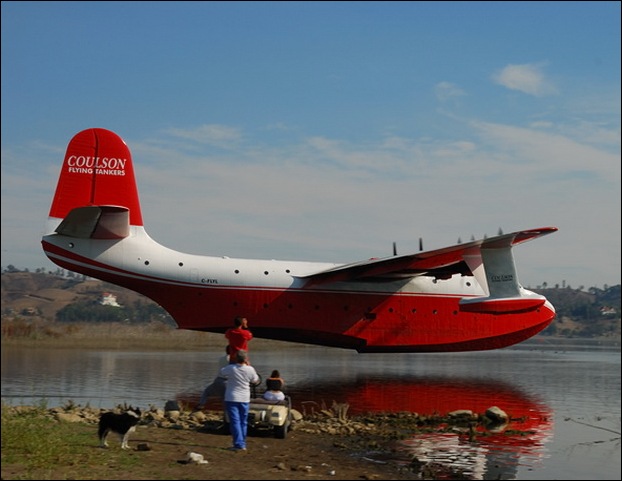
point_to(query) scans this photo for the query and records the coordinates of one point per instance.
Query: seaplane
(465, 297)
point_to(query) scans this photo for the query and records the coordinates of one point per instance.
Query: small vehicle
(268, 415)
(274, 415)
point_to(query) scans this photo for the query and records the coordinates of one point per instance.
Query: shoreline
(325, 444)
(161, 336)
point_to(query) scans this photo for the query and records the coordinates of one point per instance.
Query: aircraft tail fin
(493, 267)
(96, 195)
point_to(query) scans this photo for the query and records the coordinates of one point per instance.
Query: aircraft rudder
(97, 171)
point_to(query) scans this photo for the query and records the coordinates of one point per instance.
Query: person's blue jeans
(238, 422)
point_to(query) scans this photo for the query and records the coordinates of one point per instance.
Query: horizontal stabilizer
(96, 222)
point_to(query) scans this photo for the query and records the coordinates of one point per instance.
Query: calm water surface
(564, 395)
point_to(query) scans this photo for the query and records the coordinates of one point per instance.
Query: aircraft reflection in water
(465, 297)
(489, 454)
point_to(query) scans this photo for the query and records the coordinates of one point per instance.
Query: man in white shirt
(240, 376)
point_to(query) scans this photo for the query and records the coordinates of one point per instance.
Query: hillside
(39, 296)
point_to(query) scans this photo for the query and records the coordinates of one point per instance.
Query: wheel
(280, 432)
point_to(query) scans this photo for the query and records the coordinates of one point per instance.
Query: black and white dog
(122, 424)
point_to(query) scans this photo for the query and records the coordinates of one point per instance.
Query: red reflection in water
(492, 452)
(426, 396)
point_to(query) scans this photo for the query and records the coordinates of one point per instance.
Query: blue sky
(326, 131)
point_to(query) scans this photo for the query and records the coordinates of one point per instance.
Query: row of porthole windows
(368, 313)
(236, 271)
(347, 308)
(181, 264)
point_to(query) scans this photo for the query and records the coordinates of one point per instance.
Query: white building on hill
(109, 299)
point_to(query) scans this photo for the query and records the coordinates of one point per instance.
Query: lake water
(563, 396)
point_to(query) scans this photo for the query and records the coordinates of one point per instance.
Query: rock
(496, 415)
(198, 416)
(172, 406)
(195, 458)
(173, 415)
(461, 413)
(69, 417)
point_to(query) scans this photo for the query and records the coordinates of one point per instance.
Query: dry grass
(115, 335)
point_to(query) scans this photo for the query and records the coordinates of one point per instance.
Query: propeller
(420, 246)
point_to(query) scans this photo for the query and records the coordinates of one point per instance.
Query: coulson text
(82, 161)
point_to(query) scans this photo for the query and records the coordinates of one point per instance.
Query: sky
(327, 131)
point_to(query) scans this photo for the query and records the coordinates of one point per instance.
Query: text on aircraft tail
(97, 171)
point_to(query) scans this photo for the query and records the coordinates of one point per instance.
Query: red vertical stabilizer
(97, 171)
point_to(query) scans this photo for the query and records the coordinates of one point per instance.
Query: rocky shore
(326, 443)
(333, 421)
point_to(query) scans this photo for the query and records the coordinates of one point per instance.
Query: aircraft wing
(439, 263)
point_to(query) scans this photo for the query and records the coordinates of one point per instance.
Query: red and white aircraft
(461, 298)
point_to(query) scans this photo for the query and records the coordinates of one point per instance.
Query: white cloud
(526, 78)
(446, 90)
(548, 153)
